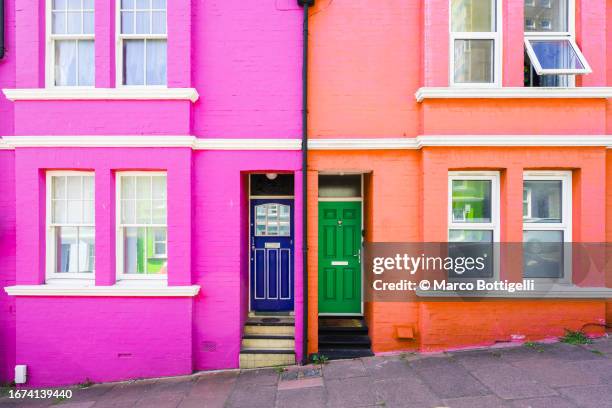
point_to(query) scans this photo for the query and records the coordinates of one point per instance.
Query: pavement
(553, 375)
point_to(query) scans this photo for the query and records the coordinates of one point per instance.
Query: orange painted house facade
(413, 96)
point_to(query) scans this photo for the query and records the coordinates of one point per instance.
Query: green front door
(339, 257)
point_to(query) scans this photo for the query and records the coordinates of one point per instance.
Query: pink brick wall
(69, 340)
(219, 231)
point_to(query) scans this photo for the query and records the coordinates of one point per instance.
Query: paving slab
(252, 396)
(338, 369)
(388, 367)
(593, 396)
(485, 401)
(508, 382)
(350, 392)
(405, 392)
(314, 397)
(543, 402)
(257, 377)
(447, 378)
(556, 373)
(473, 360)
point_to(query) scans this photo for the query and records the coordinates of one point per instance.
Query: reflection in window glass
(546, 15)
(471, 201)
(472, 15)
(272, 220)
(144, 224)
(542, 201)
(542, 254)
(473, 61)
(474, 244)
(72, 223)
(556, 54)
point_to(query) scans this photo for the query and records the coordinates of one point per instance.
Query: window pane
(143, 4)
(59, 4)
(88, 187)
(127, 4)
(133, 62)
(471, 201)
(87, 64)
(159, 211)
(59, 23)
(74, 186)
(472, 15)
(74, 4)
(88, 22)
(59, 187)
(67, 255)
(159, 4)
(88, 212)
(75, 211)
(556, 54)
(134, 250)
(127, 22)
(74, 22)
(546, 15)
(472, 244)
(143, 22)
(128, 211)
(59, 212)
(87, 249)
(156, 62)
(65, 63)
(542, 201)
(340, 186)
(473, 61)
(88, 4)
(543, 254)
(159, 187)
(128, 187)
(143, 211)
(143, 187)
(159, 22)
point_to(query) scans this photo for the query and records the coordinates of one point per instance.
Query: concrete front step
(255, 358)
(255, 329)
(268, 342)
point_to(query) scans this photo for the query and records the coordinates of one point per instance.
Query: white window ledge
(541, 292)
(75, 93)
(118, 290)
(512, 93)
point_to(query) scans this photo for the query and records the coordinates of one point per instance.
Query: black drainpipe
(305, 4)
(2, 29)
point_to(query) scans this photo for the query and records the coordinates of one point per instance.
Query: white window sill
(512, 93)
(542, 291)
(76, 93)
(121, 289)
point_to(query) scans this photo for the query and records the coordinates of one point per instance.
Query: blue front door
(271, 255)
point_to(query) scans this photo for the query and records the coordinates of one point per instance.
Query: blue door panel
(271, 239)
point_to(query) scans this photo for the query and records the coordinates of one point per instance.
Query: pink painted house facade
(135, 137)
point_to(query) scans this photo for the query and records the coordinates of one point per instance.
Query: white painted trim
(84, 93)
(106, 291)
(192, 142)
(495, 36)
(247, 144)
(542, 292)
(513, 93)
(364, 144)
(101, 141)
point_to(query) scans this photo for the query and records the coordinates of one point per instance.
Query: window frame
(569, 35)
(50, 247)
(119, 38)
(50, 40)
(497, 38)
(119, 252)
(565, 176)
(494, 225)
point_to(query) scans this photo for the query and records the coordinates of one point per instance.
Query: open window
(552, 57)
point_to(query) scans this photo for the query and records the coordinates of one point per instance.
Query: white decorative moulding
(103, 291)
(83, 93)
(512, 93)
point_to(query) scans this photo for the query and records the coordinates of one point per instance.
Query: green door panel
(339, 257)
